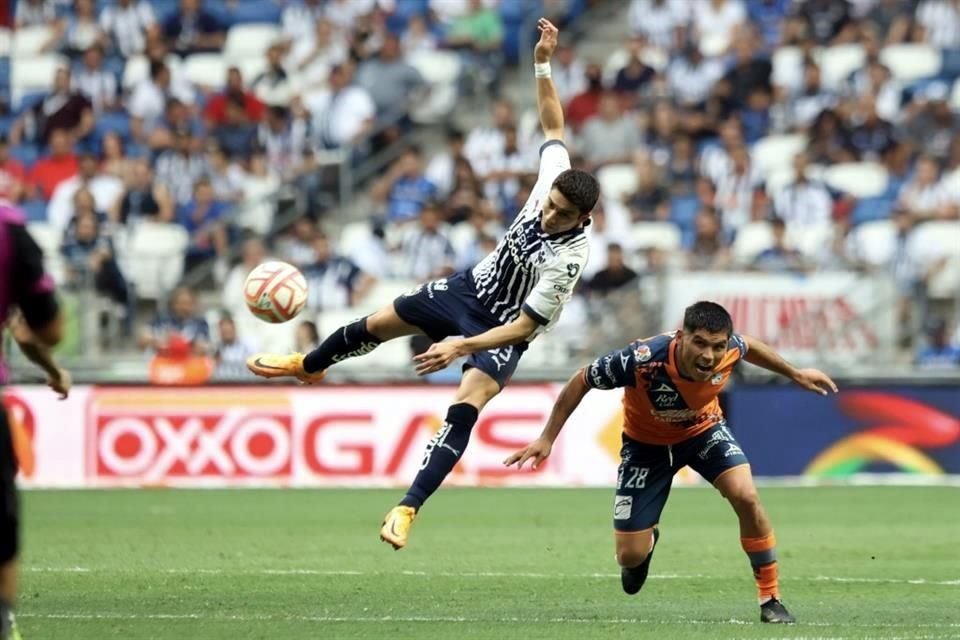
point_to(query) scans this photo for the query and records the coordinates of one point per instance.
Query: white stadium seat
(810, 239)
(441, 70)
(655, 235)
(137, 69)
(778, 179)
(49, 239)
(874, 242)
(713, 45)
(752, 239)
(6, 42)
(941, 240)
(29, 41)
(33, 74)
(786, 62)
(908, 62)
(250, 40)
(206, 70)
(617, 181)
(154, 258)
(352, 236)
(859, 179)
(250, 68)
(776, 152)
(838, 62)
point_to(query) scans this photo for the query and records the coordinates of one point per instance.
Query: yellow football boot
(267, 365)
(396, 526)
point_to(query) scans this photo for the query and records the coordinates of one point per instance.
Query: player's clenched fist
(538, 451)
(547, 43)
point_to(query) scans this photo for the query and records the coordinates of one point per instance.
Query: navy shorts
(9, 504)
(646, 472)
(449, 307)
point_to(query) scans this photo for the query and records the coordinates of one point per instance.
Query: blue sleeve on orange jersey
(616, 369)
(737, 342)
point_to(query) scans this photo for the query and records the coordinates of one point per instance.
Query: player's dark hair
(580, 188)
(708, 316)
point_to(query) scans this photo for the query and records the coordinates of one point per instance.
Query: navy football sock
(346, 342)
(442, 454)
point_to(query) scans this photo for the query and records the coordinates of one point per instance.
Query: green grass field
(856, 563)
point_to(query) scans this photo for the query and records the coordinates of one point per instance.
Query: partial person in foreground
(500, 305)
(672, 419)
(29, 308)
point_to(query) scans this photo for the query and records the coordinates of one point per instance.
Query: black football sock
(349, 341)
(442, 453)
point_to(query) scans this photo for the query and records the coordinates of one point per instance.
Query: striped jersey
(531, 270)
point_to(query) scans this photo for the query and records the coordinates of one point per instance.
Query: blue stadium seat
(25, 154)
(256, 11)
(869, 209)
(114, 121)
(683, 213)
(36, 210)
(27, 101)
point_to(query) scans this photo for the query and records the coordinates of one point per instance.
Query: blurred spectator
(611, 136)
(297, 247)
(938, 353)
(662, 22)
(13, 177)
(284, 138)
(426, 248)
(260, 186)
(938, 23)
(633, 77)
(681, 170)
(204, 219)
(717, 20)
(486, 143)
(871, 136)
(180, 325)
(934, 123)
(924, 197)
(142, 198)
(827, 21)
(149, 100)
(225, 177)
(734, 196)
(274, 85)
(691, 76)
(105, 189)
(333, 282)
(252, 253)
(35, 13)
(889, 20)
(83, 30)
(813, 98)
(651, 200)
(503, 180)
(306, 338)
(116, 161)
(58, 166)
(715, 159)
(779, 258)
(748, 71)
(344, 114)
(192, 29)
(441, 170)
(179, 168)
(404, 190)
(805, 202)
(875, 84)
(345, 14)
(418, 38)
(569, 72)
(615, 275)
(89, 254)
(373, 255)
(829, 140)
(215, 111)
(755, 115)
(467, 195)
(767, 16)
(393, 84)
(663, 128)
(314, 55)
(61, 108)
(127, 24)
(177, 120)
(586, 104)
(479, 35)
(709, 251)
(237, 136)
(231, 350)
(97, 84)
(298, 17)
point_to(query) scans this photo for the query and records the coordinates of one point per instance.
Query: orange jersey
(660, 406)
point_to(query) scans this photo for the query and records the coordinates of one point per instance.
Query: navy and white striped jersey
(529, 269)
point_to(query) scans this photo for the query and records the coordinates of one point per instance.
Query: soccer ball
(275, 292)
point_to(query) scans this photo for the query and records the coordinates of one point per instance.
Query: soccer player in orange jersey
(672, 419)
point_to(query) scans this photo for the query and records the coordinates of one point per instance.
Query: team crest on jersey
(642, 353)
(717, 379)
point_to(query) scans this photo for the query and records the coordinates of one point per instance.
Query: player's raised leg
(355, 339)
(757, 539)
(443, 452)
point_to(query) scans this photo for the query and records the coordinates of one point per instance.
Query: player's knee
(745, 500)
(631, 556)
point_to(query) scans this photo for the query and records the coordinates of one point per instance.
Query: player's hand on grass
(538, 451)
(60, 381)
(816, 381)
(438, 356)
(547, 43)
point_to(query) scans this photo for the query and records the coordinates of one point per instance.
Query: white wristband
(541, 70)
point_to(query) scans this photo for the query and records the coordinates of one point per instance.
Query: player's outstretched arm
(441, 354)
(764, 356)
(548, 102)
(567, 402)
(38, 352)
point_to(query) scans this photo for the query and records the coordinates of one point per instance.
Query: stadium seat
(136, 70)
(655, 235)
(154, 258)
(778, 179)
(441, 70)
(838, 62)
(33, 75)
(942, 240)
(206, 70)
(29, 41)
(786, 61)
(49, 239)
(752, 238)
(25, 154)
(858, 179)
(870, 209)
(251, 12)
(114, 121)
(617, 181)
(908, 62)
(776, 152)
(714, 44)
(249, 40)
(250, 68)
(810, 239)
(36, 210)
(352, 236)
(6, 42)
(874, 242)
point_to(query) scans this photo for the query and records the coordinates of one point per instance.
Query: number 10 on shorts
(632, 477)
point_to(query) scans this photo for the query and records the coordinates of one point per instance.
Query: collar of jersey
(556, 236)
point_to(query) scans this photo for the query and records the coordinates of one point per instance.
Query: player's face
(701, 352)
(559, 214)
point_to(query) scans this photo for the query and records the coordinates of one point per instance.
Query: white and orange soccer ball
(275, 292)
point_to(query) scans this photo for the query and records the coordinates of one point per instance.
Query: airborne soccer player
(36, 325)
(515, 292)
(672, 419)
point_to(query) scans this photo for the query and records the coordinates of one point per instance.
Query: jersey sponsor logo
(721, 435)
(622, 507)
(732, 450)
(595, 375)
(642, 353)
(435, 286)
(608, 367)
(624, 360)
(691, 416)
(665, 396)
(362, 350)
(717, 379)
